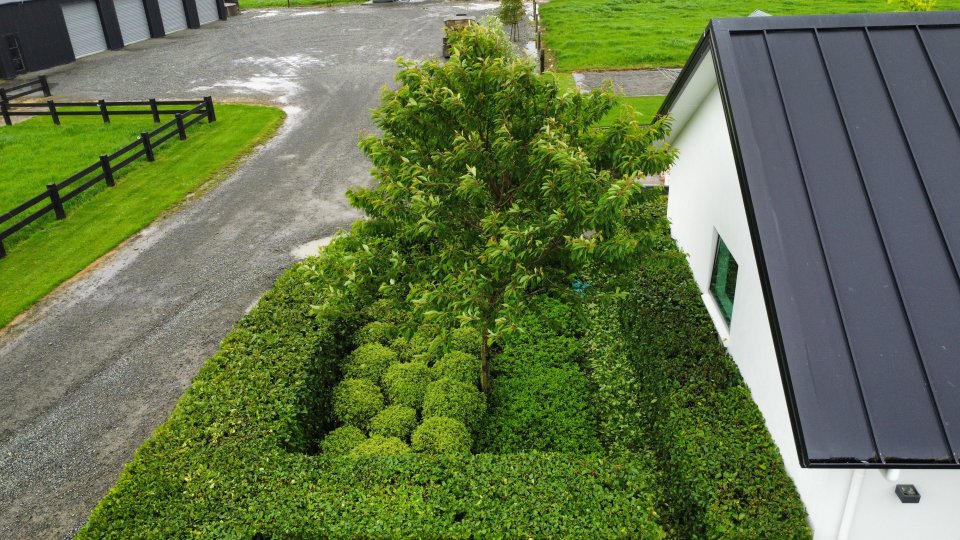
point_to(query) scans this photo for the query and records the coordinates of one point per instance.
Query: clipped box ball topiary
(406, 384)
(394, 421)
(442, 435)
(369, 361)
(465, 339)
(458, 400)
(423, 346)
(376, 332)
(380, 446)
(342, 440)
(356, 401)
(459, 366)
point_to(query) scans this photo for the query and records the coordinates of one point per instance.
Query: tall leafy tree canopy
(495, 184)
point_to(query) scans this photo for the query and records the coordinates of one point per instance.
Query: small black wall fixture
(907, 493)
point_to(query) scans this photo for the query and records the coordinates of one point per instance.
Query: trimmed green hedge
(722, 474)
(234, 459)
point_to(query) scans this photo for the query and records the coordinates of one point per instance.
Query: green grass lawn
(253, 4)
(645, 107)
(609, 34)
(36, 152)
(45, 256)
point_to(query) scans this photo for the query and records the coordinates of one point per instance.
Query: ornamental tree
(494, 185)
(511, 13)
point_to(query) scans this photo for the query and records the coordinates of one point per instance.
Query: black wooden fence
(37, 85)
(55, 196)
(100, 108)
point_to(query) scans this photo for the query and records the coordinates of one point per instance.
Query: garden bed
(613, 421)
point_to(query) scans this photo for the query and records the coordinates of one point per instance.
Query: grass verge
(57, 250)
(611, 34)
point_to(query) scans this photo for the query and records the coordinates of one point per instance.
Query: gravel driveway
(90, 372)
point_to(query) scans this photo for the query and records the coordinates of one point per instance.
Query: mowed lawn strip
(613, 34)
(37, 152)
(58, 250)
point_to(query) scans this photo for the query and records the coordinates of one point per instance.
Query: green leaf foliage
(377, 332)
(545, 409)
(459, 366)
(540, 399)
(464, 339)
(369, 361)
(406, 384)
(394, 421)
(342, 440)
(496, 184)
(356, 401)
(454, 399)
(664, 379)
(442, 435)
(378, 445)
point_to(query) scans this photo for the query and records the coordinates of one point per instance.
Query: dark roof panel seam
(873, 215)
(823, 253)
(936, 218)
(730, 98)
(953, 111)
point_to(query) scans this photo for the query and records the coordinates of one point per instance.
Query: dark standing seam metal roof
(846, 134)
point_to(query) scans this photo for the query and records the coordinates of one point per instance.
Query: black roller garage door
(84, 27)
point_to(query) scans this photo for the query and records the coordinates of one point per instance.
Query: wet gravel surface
(91, 371)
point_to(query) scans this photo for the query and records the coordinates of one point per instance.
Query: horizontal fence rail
(38, 85)
(100, 108)
(54, 197)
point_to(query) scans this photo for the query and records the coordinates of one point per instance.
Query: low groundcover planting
(535, 363)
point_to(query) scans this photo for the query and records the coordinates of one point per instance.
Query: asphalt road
(91, 371)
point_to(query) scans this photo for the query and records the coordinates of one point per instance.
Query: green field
(36, 152)
(610, 34)
(40, 258)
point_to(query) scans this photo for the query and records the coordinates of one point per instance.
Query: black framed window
(723, 282)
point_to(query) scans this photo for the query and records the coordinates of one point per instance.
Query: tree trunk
(485, 364)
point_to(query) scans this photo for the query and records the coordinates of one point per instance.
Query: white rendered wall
(705, 201)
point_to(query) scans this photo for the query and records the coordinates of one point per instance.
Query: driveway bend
(89, 373)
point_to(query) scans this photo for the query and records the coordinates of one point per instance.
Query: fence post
(107, 171)
(147, 145)
(44, 85)
(54, 193)
(211, 115)
(543, 61)
(3, 252)
(3, 94)
(180, 131)
(6, 113)
(53, 111)
(103, 111)
(155, 111)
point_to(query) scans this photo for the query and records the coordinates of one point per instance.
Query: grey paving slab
(89, 373)
(636, 82)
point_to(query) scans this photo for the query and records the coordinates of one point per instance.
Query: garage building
(38, 34)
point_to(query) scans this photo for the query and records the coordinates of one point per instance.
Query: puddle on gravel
(531, 49)
(311, 248)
